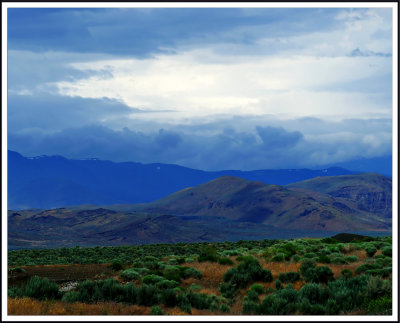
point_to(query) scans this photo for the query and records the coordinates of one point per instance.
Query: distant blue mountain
(53, 181)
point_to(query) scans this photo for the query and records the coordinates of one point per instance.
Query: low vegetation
(266, 277)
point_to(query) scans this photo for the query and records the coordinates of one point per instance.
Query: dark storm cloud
(140, 32)
(54, 112)
(226, 149)
(278, 137)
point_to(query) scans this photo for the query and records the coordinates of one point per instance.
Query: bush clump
(289, 277)
(245, 273)
(387, 251)
(225, 261)
(130, 274)
(38, 288)
(156, 310)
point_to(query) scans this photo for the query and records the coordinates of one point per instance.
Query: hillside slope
(249, 201)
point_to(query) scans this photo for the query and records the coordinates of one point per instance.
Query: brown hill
(247, 201)
(371, 192)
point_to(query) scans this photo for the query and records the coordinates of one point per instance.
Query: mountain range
(225, 208)
(46, 182)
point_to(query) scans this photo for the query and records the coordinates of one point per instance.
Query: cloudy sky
(230, 88)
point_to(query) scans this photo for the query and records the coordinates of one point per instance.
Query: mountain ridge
(54, 181)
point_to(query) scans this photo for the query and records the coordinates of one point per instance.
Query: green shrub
(258, 288)
(156, 310)
(323, 274)
(347, 273)
(249, 307)
(116, 265)
(351, 259)
(295, 258)
(289, 277)
(370, 251)
(252, 296)
(130, 274)
(364, 267)
(324, 259)
(387, 251)
(307, 308)
(278, 284)
(310, 255)
(152, 279)
(71, 297)
(225, 261)
(382, 306)
(195, 287)
(283, 302)
(167, 284)
(338, 260)
(172, 261)
(208, 253)
(279, 257)
(40, 288)
(306, 265)
(224, 308)
(314, 293)
(18, 270)
(187, 272)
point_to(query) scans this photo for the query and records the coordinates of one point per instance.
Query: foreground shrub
(314, 293)
(152, 279)
(387, 251)
(36, 287)
(382, 306)
(156, 310)
(351, 259)
(129, 274)
(289, 277)
(370, 251)
(116, 265)
(208, 253)
(258, 288)
(225, 261)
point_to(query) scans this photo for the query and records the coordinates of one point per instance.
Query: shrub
(252, 296)
(156, 310)
(169, 298)
(18, 270)
(347, 273)
(279, 257)
(195, 287)
(187, 272)
(295, 258)
(224, 308)
(324, 259)
(289, 277)
(338, 260)
(258, 288)
(249, 308)
(281, 303)
(130, 274)
(116, 265)
(71, 297)
(351, 259)
(323, 274)
(278, 284)
(382, 305)
(208, 253)
(314, 293)
(370, 251)
(306, 307)
(167, 284)
(40, 288)
(152, 279)
(387, 251)
(365, 267)
(310, 255)
(172, 261)
(306, 265)
(225, 261)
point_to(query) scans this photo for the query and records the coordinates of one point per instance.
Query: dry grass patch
(27, 306)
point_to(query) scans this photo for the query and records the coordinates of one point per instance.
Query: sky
(206, 88)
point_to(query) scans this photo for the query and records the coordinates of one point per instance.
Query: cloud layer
(204, 88)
